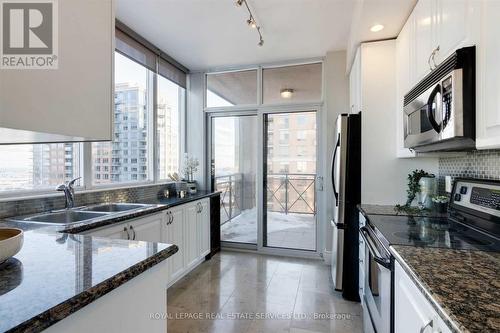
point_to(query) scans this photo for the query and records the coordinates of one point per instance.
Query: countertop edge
(452, 324)
(62, 310)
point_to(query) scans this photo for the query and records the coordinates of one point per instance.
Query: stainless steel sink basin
(114, 207)
(62, 217)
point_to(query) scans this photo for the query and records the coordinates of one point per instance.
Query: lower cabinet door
(174, 234)
(146, 229)
(191, 234)
(204, 228)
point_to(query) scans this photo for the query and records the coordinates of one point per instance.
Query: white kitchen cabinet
(191, 234)
(424, 18)
(355, 84)
(451, 27)
(204, 228)
(116, 231)
(488, 73)
(412, 311)
(173, 233)
(73, 102)
(147, 229)
(187, 226)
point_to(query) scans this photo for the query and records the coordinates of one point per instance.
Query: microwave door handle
(333, 170)
(430, 116)
(363, 231)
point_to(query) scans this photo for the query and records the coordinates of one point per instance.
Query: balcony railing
(286, 193)
(231, 199)
(291, 193)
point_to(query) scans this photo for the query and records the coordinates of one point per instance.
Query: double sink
(80, 214)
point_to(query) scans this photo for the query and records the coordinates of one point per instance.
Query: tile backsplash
(477, 164)
(35, 205)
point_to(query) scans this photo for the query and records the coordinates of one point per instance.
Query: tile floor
(248, 293)
(292, 230)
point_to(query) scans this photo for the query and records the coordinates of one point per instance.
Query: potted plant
(440, 203)
(190, 167)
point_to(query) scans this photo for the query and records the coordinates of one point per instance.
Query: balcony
(291, 210)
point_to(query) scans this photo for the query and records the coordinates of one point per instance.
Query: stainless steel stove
(472, 223)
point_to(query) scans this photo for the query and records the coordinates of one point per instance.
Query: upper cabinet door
(488, 74)
(451, 27)
(424, 35)
(70, 98)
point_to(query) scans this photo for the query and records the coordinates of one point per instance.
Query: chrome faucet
(69, 192)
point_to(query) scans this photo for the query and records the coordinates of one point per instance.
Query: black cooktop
(431, 232)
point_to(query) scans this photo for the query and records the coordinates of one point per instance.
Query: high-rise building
(125, 159)
(55, 163)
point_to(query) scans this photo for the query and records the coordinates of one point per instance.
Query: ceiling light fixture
(286, 93)
(252, 22)
(377, 28)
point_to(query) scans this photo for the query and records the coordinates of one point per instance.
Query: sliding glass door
(289, 219)
(234, 169)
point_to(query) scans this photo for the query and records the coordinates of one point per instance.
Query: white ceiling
(203, 34)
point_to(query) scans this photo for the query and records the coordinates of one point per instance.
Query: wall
(336, 96)
(383, 176)
(195, 125)
(478, 164)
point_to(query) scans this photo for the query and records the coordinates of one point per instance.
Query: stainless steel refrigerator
(346, 182)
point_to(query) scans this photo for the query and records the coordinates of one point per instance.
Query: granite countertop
(462, 285)
(58, 271)
(56, 274)
(370, 209)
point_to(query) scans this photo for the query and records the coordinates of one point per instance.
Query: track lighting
(252, 22)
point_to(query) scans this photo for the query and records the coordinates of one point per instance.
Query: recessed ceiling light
(376, 28)
(286, 93)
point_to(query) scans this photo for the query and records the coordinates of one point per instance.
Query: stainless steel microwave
(439, 112)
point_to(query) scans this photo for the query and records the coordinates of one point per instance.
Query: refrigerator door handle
(333, 171)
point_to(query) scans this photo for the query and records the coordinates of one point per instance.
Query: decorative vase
(428, 189)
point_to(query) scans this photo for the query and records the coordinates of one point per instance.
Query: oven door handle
(363, 231)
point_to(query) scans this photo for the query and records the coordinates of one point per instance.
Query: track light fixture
(252, 22)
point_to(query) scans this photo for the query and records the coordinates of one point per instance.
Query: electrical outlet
(448, 180)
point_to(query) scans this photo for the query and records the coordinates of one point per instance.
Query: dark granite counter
(462, 285)
(56, 274)
(369, 209)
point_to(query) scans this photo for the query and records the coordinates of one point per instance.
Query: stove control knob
(457, 197)
(463, 190)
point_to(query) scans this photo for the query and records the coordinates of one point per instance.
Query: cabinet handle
(132, 228)
(429, 324)
(436, 50)
(171, 218)
(126, 230)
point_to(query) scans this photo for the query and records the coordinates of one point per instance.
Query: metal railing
(291, 193)
(286, 193)
(231, 199)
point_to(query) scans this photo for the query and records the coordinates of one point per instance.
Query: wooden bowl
(11, 241)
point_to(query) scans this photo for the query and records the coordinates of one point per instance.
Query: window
(170, 103)
(38, 167)
(303, 80)
(232, 88)
(134, 115)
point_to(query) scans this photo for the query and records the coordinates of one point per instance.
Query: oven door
(423, 118)
(378, 277)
